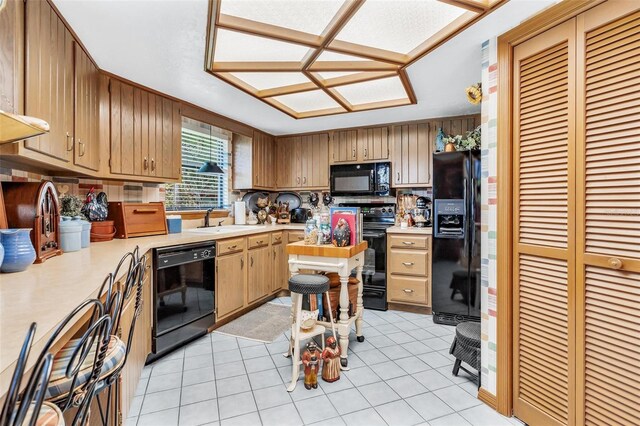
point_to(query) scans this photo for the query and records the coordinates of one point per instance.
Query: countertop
(45, 293)
(413, 230)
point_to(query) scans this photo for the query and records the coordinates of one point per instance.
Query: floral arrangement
(471, 141)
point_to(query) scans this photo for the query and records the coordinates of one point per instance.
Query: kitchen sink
(225, 229)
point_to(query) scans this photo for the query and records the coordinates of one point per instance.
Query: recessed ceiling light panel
(383, 89)
(271, 80)
(232, 46)
(310, 16)
(398, 25)
(315, 100)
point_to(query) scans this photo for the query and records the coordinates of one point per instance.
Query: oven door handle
(372, 292)
(373, 235)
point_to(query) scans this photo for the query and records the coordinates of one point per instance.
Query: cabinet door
(87, 136)
(231, 278)
(306, 161)
(411, 155)
(320, 160)
(260, 269)
(278, 267)
(49, 80)
(373, 144)
(344, 146)
(122, 127)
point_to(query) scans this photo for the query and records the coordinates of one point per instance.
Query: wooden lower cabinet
(231, 281)
(409, 269)
(250, 269)
(260, 280)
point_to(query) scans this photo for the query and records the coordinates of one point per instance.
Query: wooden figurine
(311, 362)
(331, 361)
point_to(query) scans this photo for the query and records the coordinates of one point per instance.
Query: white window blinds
(201, 142)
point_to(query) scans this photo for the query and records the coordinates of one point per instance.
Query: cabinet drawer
(229, 246)
(410, 241)
(276, 237)
(408, 262)
(295, 236)
(258, 241)
(408, 290)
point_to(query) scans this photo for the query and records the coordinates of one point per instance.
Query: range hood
(15, 127)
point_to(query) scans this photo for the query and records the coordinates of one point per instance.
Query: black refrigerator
(456, 275)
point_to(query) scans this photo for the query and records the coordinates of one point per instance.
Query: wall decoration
(440, 140)
(474, 93)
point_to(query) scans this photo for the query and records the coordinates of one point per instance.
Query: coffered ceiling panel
(310, 16)
(270, 80)
(307, 101)
(233, 46)
(384, 89)
(399, 25)
(329, 49)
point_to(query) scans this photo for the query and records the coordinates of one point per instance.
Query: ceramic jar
(18, 249)
(70, 234)
(85, 237)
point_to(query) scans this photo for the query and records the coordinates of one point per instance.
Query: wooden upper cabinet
(87, 116)
(254, 160)
(146, 133)
(303, 162)
(373, 144)
(411, 155)
(49, 80)
(344, 146)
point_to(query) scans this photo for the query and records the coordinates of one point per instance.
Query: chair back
(24, 408)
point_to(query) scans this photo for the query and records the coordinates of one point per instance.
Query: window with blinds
(201, 142)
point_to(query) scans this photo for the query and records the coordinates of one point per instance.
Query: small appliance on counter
(422, 212)
(35, 205)
(300, 215)
(138, 219)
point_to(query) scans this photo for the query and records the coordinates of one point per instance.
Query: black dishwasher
(183, 293)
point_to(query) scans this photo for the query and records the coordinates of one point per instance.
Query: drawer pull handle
(615, 263)
(408, 243)
(145, 211)
(300, 238)
(408, 263)
(259, 242)
(408, 290)
(233, 246)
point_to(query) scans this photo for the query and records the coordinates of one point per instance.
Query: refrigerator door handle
(472, 217)
(465, 226)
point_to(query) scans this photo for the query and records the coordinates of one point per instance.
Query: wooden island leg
(360, 307)
(343, 324)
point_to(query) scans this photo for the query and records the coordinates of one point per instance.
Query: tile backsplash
(116, 190)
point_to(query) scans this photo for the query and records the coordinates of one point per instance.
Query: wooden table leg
(343, 323)
(360, 306)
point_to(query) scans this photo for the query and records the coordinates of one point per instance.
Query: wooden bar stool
(29, 407)
(299, 285)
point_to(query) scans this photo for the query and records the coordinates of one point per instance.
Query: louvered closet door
(608, 200)
(544, 231)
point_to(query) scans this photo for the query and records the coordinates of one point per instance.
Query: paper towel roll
(239, 211)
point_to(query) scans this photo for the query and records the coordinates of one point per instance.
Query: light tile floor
(400, 375)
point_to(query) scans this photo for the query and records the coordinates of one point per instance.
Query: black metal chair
(136, 268)
(79, 365)
(28, 407)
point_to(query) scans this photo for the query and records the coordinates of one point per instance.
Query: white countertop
(413, 230)
(45, 293)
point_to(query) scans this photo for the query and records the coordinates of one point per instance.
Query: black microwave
(360, 179)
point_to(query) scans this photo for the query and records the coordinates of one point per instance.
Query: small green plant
(70, 205)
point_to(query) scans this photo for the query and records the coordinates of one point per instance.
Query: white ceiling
(160, 44)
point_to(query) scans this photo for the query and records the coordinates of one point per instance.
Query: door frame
(561, 12)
